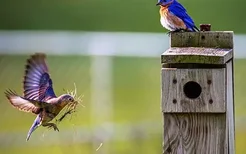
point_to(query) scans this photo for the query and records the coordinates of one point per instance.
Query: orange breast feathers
(164, 11)
(171, 18)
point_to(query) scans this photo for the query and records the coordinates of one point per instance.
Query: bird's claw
(54, 127)
(177, 30)
(49, 125)
(168, 33)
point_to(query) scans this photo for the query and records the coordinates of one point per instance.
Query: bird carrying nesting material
(39, 97)
(72, 106)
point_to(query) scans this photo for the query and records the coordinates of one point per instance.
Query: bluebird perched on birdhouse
(39, 97)
(174, 16)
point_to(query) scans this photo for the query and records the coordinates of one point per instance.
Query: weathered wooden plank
(211, 99)
(230, 114)
(197, 55)
(202, 39)
(198, 94)
(194, 133)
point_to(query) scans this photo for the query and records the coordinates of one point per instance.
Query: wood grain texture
(210, 39)
(230, 114)
(194, 133)
(214, 91)
(197, 55)
(205, 124)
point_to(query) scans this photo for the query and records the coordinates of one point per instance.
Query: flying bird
(39, 97)
(174, 17)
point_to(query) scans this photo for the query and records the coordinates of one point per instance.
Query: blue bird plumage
(174, 16)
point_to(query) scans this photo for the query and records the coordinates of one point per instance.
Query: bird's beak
(159, 3)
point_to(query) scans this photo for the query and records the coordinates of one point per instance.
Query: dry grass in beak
(72, 106)
(77, 99)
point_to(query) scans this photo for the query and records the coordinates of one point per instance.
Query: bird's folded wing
(24, 104)
(178, 10)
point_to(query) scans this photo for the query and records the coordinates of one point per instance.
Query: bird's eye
(70, 99)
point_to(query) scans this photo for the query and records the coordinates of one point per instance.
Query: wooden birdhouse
(198, 93)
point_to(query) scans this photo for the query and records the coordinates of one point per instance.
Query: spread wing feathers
(37, 81)
(178, 10)
(23, 104)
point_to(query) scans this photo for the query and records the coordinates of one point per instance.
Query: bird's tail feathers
(195, 29)
(35, 125)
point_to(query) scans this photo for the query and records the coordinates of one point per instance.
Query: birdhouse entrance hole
(192, 89)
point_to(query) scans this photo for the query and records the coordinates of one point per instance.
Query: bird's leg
(70, 111)
(179, 30)
(51, 125)
(168, 33)
(175, 31)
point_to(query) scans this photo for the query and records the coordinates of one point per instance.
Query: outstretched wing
(37, 81)
(23, 104)
(20, 103)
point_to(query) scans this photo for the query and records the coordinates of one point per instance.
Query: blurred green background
(135, 81)
(115, 15)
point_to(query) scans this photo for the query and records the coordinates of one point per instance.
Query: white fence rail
(94, 43)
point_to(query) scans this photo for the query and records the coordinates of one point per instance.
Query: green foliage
(115, 15)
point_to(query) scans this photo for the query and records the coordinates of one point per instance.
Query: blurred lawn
(136, 87)
(115, 15)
